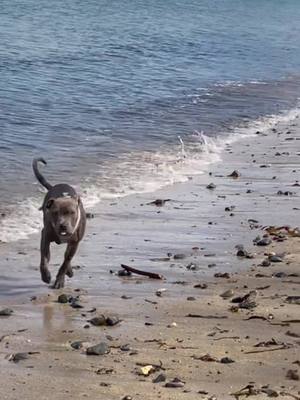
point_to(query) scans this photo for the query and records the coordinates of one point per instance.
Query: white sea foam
(141, 172)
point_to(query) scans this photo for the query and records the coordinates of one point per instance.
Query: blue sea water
(103, 89)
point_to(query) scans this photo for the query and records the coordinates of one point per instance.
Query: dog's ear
(49, 203)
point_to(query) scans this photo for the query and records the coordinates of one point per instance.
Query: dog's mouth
(64, 233)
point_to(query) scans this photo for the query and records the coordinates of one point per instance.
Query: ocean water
(128, 96)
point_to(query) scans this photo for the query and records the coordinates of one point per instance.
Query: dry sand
(156, 328)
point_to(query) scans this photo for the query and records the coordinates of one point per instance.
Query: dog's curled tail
(37, 173)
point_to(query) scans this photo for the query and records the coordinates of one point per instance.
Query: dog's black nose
(62, 227)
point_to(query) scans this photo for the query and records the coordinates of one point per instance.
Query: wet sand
(154, 325)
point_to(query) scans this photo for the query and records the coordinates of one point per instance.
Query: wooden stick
(152, 275)
(284, 347)
(206, 316)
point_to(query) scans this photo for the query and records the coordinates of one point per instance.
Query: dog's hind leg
(45, 257)
(66, 265)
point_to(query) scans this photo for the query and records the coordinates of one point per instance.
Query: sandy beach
(186, 326)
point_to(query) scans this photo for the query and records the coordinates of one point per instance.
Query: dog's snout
(63, 227)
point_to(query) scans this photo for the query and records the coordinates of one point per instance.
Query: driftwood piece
(152, 275)
(207, 316)
(284, 347)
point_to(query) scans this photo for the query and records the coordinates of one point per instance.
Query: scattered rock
(243, 253)
(264, 241)
(158, 202)
(179, 256)
(112, 321)
(235, 174)
(247, 301)
(192, 267)
(77, 344)
(89, 215)
(226, 360)
(6, 312)
(104, 321)
(225, 275)
(275, 258)
(191, 298)
(98, 350)
(200, 286)
(227, 294)
(265, 263)
(160, 378)
(211, 186)
(293, 375)
(175, 383)
(98, 321)
(63, 298)
(206, 358)
(293, 300)
(74, 302)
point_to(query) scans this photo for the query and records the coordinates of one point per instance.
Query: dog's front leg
(45, 257)
(66, 266)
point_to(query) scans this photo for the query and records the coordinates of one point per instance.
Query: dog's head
(64, 215)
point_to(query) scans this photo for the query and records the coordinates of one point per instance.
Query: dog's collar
(77, 222)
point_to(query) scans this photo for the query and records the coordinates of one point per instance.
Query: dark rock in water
(77, 344)
(63, 298)
(192, 267)
(200, 286)
(234, 174)
(226, 360)
(225, 275)
(179, 256)
(159, 202)
(227, 294)
(89, 215)
(160, 378)
(175, 383)
(293, 300)
(284, 193)
(74, 303)
(191, 298)
(211, 186)
(112, 321)
(98, 321)
(123, 272)
(231, 208)
(6, 312)
(98, 350)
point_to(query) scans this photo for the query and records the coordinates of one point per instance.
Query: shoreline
(194, 223)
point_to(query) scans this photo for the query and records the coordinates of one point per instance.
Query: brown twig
(227, 337)
(207, 316)
(152, 275)
(284, 347)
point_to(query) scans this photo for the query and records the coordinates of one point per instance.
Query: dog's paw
(70, 272)
(46, 276)
(59, 283)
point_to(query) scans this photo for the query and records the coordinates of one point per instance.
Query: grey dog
(64, 222)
